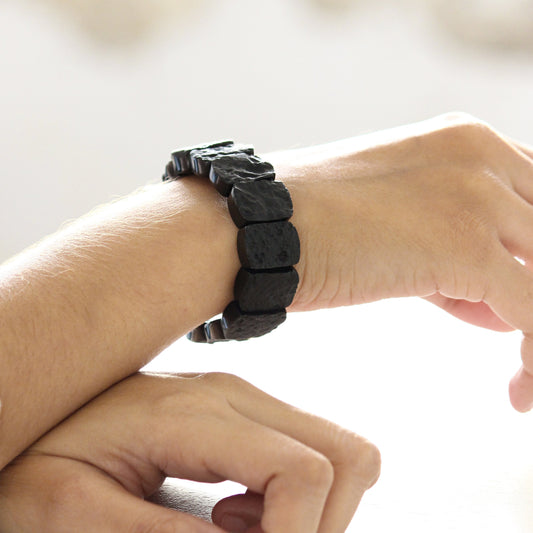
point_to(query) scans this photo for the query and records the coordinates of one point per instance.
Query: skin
(305, 474)
(439, 210)
(94, 303)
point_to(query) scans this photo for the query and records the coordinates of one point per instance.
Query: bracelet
(267, 243)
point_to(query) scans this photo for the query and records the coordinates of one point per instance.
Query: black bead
(181, 161)
(213, 331)
(228, 170)
(268, 245)
(169, 169)
(259, 201)
(197, 334)
(238, 325)
(269, 290)
(201, 158)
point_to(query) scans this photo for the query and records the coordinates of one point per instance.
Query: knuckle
(473, 236)
(222, 380)
(170, 403)
(467, 137)
(315, 470)
(360, 457)
(67, 492)
(368, 462)
(185, 406)
(466, 122)
(188, 400)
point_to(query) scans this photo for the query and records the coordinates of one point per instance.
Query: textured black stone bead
(228, 170)
(202, 158)
(238, 325)
(169, 169)
(181, 163)
(268, 245)
(269, 290)
(259, 201)
(197, 334)
(213, 331)
(181, 160)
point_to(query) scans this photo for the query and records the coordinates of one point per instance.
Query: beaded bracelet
(267, 243)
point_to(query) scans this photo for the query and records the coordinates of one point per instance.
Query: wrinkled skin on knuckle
(466, 125)
(222, 381)
(359, 456)
(314, 470)
(462, 140)
(369, 463)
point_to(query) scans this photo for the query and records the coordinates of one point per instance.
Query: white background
(84, 120)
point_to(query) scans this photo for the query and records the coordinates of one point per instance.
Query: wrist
(204, 260)
(331, 203)
(302, 178)
(267, 243)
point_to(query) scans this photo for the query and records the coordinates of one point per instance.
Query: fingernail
(233, 523)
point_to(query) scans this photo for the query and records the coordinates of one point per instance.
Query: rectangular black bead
(237, 168)
(181, 161)
(197, 334)
(169, 172)
(268, 245)
(201, 159)
(238, 325)
(259, 201)
(213, 331)
(260, 291)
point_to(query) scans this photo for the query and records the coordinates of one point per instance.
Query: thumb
(521, 390)
(240, 513)
(510, 295)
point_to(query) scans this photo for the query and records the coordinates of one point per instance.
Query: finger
(510, 295)
(520, 389)
(58, 495)
(239, 513)
(294, 478)
(475, 313)
(356, 462)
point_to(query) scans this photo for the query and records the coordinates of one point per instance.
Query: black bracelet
(268, 245)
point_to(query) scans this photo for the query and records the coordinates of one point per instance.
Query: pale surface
(81, 123)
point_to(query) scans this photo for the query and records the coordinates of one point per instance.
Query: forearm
(438, 209)
(93, 303)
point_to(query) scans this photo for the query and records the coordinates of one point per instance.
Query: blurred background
(95, 94)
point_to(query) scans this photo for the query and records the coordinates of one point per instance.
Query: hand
(438, 209)
(91, 472)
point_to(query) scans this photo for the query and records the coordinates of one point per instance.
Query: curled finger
(355, 461)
